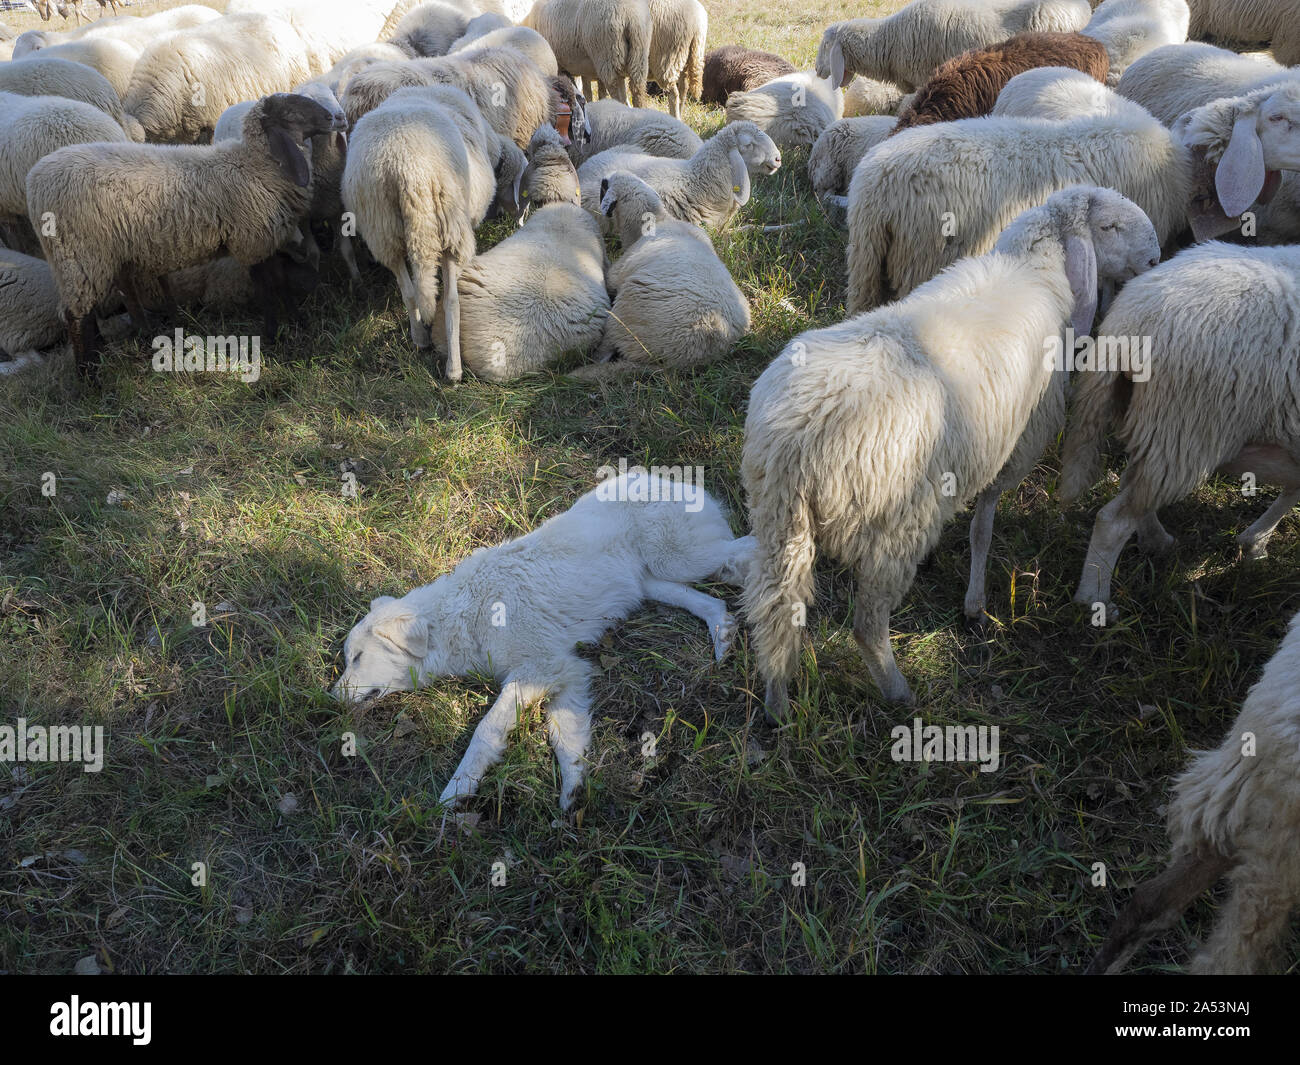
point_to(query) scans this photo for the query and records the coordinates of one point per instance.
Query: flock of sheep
(1009, 172)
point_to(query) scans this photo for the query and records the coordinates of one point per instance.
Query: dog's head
(384, 652)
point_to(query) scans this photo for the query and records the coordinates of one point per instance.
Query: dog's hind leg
(489, 741)
(711, 611)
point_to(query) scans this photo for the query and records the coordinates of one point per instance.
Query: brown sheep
(735, 69)
(967, 86)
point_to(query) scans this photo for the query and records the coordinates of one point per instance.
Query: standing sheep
(706, 189)
(678, 30)
(137, 32)
(1178, 78)
(1235, 812)
(863, 439)
(186, 205)
(1274, 23)
(605, 40)
(968, 86)
(839, 150)
(1129, 29)
(430, 29)
(732, 68)
(641, 129)
(793, 110)
(909, 45)
(114, 60)
(519, 38)
(1220, 393)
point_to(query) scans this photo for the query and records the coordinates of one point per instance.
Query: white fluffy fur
(1275, 23)
(840, 148)
(793, 110)
(44, 74)
(566, 582)
(866, 96)
(605, 40)
(640, 129)
(678, 32)
(855, 430)
(1176, 78)
(1057, 94)
(1129, 29)
(29, 310)
(520, 38)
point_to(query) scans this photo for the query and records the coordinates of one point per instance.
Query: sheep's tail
(434, 226)
(1095, 405)
(695, 68)
(636, 59)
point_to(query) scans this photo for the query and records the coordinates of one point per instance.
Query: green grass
(680, 862)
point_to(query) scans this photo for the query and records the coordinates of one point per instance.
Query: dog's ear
(382, 600)
(409, 632)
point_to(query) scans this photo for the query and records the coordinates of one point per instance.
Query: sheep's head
(384, 652)
(550, 176)
(632, 204)
(287, 121)
(751, 152)
(831, 60)
(325, 96)
(508, 171)
(1240, 146)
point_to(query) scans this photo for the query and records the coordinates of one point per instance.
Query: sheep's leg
(83, 331)
(421, 335)
(871, 629)
(1255, 539)
(981, 537)
(711, 611)
(1252, 921)
(21, 361)
(451, 312)
(489, 741)
(1153, 537)
(266, 281)
(1116, 522)
(568, 724)
(349, 258)
(674, 100)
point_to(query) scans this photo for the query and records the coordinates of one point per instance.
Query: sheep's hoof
(1158, 545)
(1253, 549)
(777, 702)
(978, 622)
(723, 634)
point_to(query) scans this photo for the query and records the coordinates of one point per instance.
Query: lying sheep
(420, 175)
(1275, 23)
(642, 129)
(430, 29)
(706, 189)
(358, 59)
(1235, 813)
(983, 171)
(968, 86)
(44, 76)
(793, 110)
(137, 32)
(535, 296)
(29, 310)
(675, 304)
(226, 284)
(1177, 78)
(732, 68)
(865, 96)
(243, 197)
(31, 127)
(908, 46)
(480, 26)
(839, 150)
(1129, 29)
(1056, 94)
(863, 439)
(519, 38)
(605, 40)
(183, 81)
(114, 60)
(1221, 395)
(550, 176)
(678, 30)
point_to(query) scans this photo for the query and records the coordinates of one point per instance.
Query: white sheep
(1129, 29)
(550, 176)
(839, 149)
(678, 31)
(29, 310)
(604, 40)
(1057, 94)
(642, 129)
(358, 59)
(42, 76)
(186, 205)
(706, 189)
(1235, 812)
(137, 32)
(793, 110)
(864, 439)
(114, 59)
(906, 47)
(1247, 22)
(518, 38)
(328, 29)
(931, 195)
(480, 26)
(431, 28)
(1219, 393)
(866, 96)
(1177, 78)
(419, 177)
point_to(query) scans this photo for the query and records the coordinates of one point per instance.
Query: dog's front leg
(489, 741)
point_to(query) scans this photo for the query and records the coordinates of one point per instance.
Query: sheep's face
(1123, 238)
(383, 653)
(1278, 127)
(760, 153)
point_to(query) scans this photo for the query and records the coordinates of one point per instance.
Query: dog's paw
(723, 634)
(458, 788)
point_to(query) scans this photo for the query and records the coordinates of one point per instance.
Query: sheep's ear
(837, 62)
(381, 600)
(739, 178)
(288, 156)
(1081, 270)
(1240, 177)
(409, 632)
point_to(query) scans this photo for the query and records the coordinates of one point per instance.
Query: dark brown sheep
(967, 86)
(735, 69)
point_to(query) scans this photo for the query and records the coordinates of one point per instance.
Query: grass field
(224, 749)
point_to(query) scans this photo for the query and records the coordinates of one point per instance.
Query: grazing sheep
(183, 81)
(863, 96)
(1235, 812)
(115, 60)
(863, 439)
(550, 176)
(1129, 29)
(984, 171)
(608, 40)
(839, 150)
(642, 129)
(1177, 78)
(732, 68)
(1275, 23)
(338, 75)
(706, 189)
(519, 38)
(1056, 94)
(41, 76)
(1221, 395)
(31, 127)
(430, 29)
(634, 538)
(968, 86)
(186, 205)
(535, 296)
(29, 310)
(675, 304)
(909, 45)
(420, 175)
(793, 110)
(678, 30)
